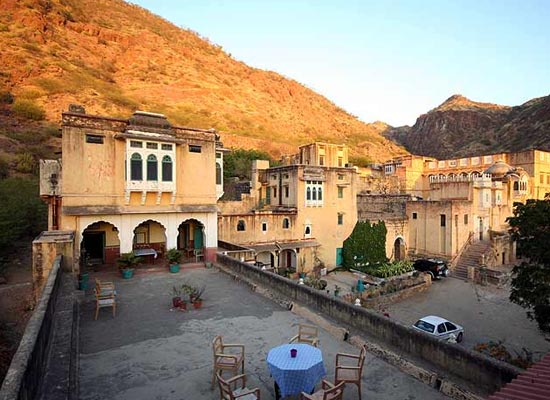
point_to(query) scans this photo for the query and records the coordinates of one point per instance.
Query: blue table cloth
(146, 252)
(299, 374)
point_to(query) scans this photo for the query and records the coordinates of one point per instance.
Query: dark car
(436, 268)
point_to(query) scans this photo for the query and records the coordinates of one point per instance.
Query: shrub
(6, 97)
(26, 163)
(28, 109)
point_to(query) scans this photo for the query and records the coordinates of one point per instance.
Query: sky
(382, 60)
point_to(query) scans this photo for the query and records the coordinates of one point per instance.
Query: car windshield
(425, 326)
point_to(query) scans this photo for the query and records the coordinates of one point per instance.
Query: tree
(530, 228)
(238, 163)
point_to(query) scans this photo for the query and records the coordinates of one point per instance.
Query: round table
(298, 374)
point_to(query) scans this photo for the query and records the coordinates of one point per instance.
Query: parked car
(439, 328)
(436, 268)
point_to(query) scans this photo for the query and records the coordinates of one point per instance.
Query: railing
(456, 257)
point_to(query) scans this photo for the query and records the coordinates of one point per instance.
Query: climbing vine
(366, 245)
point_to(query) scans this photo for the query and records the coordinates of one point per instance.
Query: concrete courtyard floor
(152, 352)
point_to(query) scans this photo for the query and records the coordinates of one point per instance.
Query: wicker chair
(306, 334)
(349, 368)
(229, 390)
(226, 357)
(328, 392)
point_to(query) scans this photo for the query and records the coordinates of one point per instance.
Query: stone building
(136, 183)
(298, 214)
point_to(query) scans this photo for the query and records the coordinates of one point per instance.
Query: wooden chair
(105, 287)
(349, 368)
(229, 390)
(104, 299)
(199, 255)
(226, 357)
(329, 391)
(306, 334)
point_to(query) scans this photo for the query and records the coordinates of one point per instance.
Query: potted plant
(126, 263)
(194, 292)
(177, 300)
(174, 256)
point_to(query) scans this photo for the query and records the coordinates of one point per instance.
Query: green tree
(530, 228)
(238, 163)
(365, 246)
(22, 214)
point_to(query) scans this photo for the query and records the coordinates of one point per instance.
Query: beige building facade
(137, 183)
(297, 215)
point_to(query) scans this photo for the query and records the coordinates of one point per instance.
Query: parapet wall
(485, 373)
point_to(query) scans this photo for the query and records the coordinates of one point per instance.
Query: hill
(114, 57)
(460, 127)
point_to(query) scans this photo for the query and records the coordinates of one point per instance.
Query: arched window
(314, 194)
(320, 195)
(308, 193)
(218, 174)
(286, 223)
(166, 169)
(240, 225)
(152, 168)
(516, 185)
(136, 167)
(308, 230)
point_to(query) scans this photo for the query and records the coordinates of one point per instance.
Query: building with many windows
(134, 184)
(298, 214)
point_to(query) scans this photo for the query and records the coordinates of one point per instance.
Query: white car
(440, 328)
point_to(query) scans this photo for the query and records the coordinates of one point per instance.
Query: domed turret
(499, 170)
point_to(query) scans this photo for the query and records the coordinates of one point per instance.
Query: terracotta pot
(176, 302)
(197, 304)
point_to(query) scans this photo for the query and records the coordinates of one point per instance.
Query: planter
(197, 304)
(127, 273)
(176, 302)
(174, 268)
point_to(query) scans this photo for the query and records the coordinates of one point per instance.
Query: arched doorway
(150, 235)
(399, 249)
(190, 237)
(100, 244)
(287, 260)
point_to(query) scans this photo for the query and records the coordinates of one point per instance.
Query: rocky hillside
(114, 57)
(461, 127)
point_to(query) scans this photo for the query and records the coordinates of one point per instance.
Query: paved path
(484, 311)
(150, 352)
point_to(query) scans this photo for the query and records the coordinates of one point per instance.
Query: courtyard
(151, 351)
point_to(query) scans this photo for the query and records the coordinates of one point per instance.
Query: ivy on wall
(366, 245)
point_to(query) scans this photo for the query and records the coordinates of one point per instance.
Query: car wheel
(431, 274)
(459, 337)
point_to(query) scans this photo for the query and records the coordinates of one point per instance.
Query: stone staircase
(471, 257)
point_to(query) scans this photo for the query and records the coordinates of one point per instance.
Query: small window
(264, 226)
(308, 230)
(321, 160)
(320, 191)
(340, 192)
(340, 177)
(286, 223)
(465, 219)
(541, 178)
(286, 176)
(240, 226)
(167, 147)
(274, 192)
(286, 191)
(94, 139)
(442, 220)
(415, 215)
(273, 177)
(308, 194)
(135, 143)
(166, 169)
(314, 194)
(136, 171)
(152, 146)
(195, 149)
(218, 155)
(340, 219)
(152, 168)
(218, 174)
(516, 185)
(340, 161)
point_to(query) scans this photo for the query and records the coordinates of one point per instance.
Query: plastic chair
(306, 334)
(349, 368)
(329, 391)
(226, 357)
(229, 389)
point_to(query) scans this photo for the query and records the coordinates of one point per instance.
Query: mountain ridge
(114, 58)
